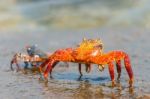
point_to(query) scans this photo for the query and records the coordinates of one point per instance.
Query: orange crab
(97, 44)
(89, 52)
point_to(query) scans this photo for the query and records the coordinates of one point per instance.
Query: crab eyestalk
(101, 67)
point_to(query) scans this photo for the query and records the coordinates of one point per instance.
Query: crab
(90, 52)
(96, 44)
(26, 59)
(34, 57)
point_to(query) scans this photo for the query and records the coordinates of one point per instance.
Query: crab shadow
(92, 79)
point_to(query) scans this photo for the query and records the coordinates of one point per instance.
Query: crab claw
(14, 61)
(101, 67)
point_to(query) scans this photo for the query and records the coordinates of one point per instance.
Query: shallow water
(66, 84)
(122, 25)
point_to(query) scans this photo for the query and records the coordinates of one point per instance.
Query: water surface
(66, 83)
(121, 25)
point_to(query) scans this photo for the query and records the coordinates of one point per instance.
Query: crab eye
(98, 46)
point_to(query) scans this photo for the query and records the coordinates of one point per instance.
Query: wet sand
(66, 85)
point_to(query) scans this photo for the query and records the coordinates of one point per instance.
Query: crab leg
(11, 65)
(129, 69)
(80, 69)
(12, 62)
(111, 72)
(88, 67)
(118, 65)
(26, 65)
(50, 65)
(55, 63)
(43, 65)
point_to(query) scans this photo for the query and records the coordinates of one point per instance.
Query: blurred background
(73, 14)
(54, 24)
